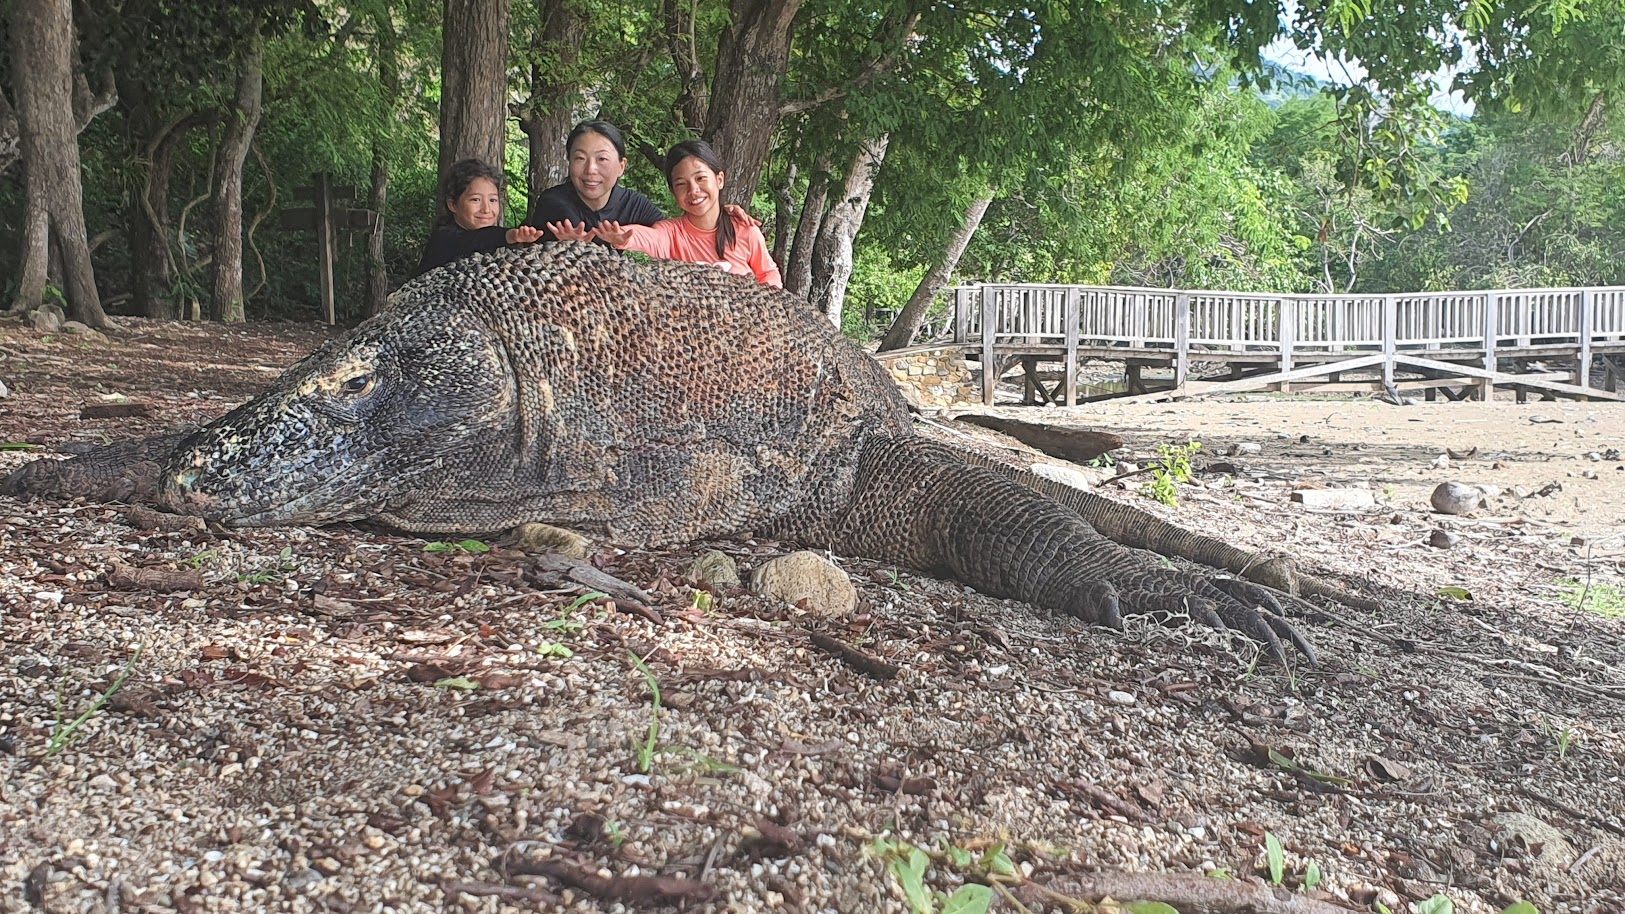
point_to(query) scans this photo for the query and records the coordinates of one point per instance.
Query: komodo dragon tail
(922, 504)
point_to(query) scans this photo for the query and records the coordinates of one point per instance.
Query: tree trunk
(241, 122)
(148, 140)
(547, 116)
(682, 40)
(42, 68)
(752, 58)
(784, 211)
(798, 272)
(832, 255)
(474, 82)
(11, 138)
(377, 201)
(913, 314)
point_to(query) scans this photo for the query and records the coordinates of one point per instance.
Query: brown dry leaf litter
(338, 720)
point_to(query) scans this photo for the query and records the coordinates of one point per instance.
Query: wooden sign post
(327, 221)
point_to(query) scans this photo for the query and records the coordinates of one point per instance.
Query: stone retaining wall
(932, 377)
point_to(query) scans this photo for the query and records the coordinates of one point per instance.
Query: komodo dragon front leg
(920, 504)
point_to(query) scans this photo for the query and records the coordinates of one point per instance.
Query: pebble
(1119, 698)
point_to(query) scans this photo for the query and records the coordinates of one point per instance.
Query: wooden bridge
(1463, 344)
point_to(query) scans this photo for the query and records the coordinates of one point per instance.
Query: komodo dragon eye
(357, 386)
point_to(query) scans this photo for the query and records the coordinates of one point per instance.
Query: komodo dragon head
(355, 429)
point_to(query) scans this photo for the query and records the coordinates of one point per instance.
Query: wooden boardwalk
(1462, 344)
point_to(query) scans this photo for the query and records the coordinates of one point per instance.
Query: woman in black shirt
(469, 217)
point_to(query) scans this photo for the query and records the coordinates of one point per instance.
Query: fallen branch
(632, 889)
(499, 890)
(628, 597)
(1190, 893)
(861, 661)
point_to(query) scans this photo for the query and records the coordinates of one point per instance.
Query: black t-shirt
(561, 202)
(451, 242)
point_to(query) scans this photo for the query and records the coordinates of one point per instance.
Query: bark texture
(832, 255)
(798, 271)
(11, 137)
(377, 201)
(913, 314)
(547, 116)
(752, 58)
(42, 56)
(474, 88)
(241, 123)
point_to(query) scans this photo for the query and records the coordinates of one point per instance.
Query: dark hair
(603, 128)
(454, 183)
(699, 149)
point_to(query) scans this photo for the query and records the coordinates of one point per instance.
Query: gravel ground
(343, 719)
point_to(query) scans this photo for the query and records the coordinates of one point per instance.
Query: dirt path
(347, 719)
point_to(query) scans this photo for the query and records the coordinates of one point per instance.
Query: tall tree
(241, 121)
(474, 88)
(832, 255)
(42, 52)
(550, 111)
(909, 319)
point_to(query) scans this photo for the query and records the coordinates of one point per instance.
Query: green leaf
(910, 874)
(19, 446)
(1438, 904)
(1457, 593)
(1276, 857)
(959, 857)
(1311, 876)
(554, 649)
(1150, 907)
(474, 547)
(971, 899)
(997, 862)
(438, 547)
(1520, 907)
(461, 683)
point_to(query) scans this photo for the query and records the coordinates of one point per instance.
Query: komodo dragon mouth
(664, 402)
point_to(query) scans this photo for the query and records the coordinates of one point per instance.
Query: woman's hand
(740, 214)
(524, 234)
(569, 231)
(613, 233)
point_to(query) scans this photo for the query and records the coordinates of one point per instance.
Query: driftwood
(1079, 445)
(859, 660)
(1190, 893)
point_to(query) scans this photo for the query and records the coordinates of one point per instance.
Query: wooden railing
(1038, 314)
(1339, 332)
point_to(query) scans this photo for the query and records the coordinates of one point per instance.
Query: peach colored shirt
(678, 239)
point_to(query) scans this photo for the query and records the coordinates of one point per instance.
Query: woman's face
(696, 187)
(595, 166)
(479, 206)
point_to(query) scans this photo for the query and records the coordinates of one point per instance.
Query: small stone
(716, 568)
(1578, 541)
(809, 580)
(47, 318)
(1240, 448)
(4, 393)
(1119, 698)
(1456, 498)
(1441, 462)
(1441, 539)
(548, 538)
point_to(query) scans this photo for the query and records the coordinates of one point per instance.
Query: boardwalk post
(1182, 339)
(325, 242)
(1286, 316)
(990, 365)
(1492, 318)
(1073, 298)
(1582, 375)
(1390, 315)
(962, 306)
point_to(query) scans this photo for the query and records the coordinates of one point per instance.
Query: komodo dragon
(649, 403)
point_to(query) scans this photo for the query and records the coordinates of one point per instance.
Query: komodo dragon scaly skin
(650, 403)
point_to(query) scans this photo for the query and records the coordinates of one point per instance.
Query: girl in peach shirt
(704, 233)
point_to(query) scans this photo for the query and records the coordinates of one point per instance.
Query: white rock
(1456, 498)
(808, 576)
(1119, 698)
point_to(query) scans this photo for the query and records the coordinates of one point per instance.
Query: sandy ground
(347, 719)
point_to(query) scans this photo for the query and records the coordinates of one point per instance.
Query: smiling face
(595, 166)
(697, 189)
(479, 206)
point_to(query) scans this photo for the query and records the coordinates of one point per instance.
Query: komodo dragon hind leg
(122, 471)
(919, 503)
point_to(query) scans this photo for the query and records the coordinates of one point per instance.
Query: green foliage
(1438, 904)
(471, 547)
(1275, 858)
(63, 735)
(651, 740)
(1171, 468)
(1606, 600)
(909, 865)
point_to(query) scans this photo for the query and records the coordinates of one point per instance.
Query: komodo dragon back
(645, 402)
